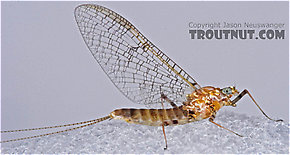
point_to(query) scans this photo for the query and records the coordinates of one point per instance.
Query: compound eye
(227, 91)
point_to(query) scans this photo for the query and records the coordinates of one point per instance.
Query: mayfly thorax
(145, 75)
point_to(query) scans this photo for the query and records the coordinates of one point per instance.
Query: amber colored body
(201, 104)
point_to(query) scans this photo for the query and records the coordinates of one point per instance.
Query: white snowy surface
(261, 136)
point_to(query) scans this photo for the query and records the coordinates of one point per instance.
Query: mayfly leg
(211, 120)
(164, 97)
(163, 129)
(164, 136)
(244, 92)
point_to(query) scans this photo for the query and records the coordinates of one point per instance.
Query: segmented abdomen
(152, 117)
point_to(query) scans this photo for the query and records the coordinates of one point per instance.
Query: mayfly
(145, 75)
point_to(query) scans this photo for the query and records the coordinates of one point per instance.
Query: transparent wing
(136, 67)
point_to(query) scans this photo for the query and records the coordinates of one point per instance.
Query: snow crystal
(260, 136)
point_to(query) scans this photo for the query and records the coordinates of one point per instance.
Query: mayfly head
(230, 91)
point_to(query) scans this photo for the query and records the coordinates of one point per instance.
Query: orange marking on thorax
(206, 101)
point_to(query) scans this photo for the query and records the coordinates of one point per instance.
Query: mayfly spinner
(145, 75)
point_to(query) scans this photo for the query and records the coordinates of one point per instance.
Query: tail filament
(87, 123)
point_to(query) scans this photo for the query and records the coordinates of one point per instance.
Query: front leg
(244, 92)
